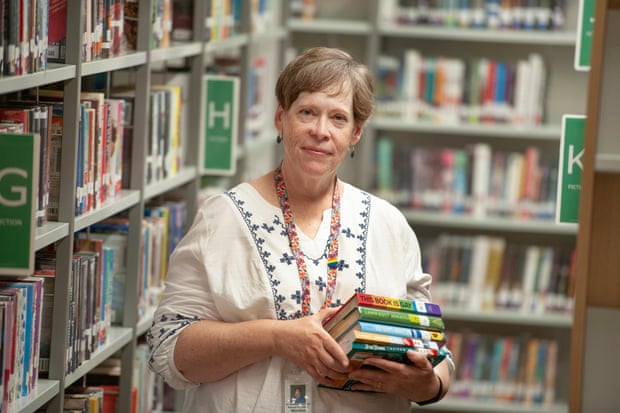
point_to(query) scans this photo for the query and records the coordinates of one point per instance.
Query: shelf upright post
(194, 111)
(136, 213)
(66, 212)
(593, 386)
(365, 154)
(244, 73)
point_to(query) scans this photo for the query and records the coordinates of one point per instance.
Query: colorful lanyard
(293, 238)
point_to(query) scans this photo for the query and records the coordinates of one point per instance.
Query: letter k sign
(574, 159)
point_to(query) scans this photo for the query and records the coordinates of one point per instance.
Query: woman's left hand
(415, 381)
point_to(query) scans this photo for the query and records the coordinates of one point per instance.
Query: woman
(265, 263)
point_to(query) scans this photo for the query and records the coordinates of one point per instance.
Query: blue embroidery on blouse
(259, 230)
(320, 283)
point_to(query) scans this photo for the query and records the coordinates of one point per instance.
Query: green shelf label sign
(221, 107)
(585, 28)
(570, 168)
(19, 176)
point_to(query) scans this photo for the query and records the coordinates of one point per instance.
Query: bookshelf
(363, 29)
(598, 291)
(143, 67)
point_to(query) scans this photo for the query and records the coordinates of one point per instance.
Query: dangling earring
(352, 149)
(278, 138)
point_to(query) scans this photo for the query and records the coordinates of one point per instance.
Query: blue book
(398, 331)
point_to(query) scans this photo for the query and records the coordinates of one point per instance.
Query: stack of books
(370, 325)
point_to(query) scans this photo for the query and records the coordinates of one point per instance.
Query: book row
(27, 117)
(164, 146)
(479, 14)
(104, 143)
(21, 307)
(446, 90)
(517, 369)
(98, 393)
(34, 32)
(24, 36)
(100, 144)
(474, 179)
(161, 230)
(487, 273)
(164, 23)
(89, 301)
(224, 18)
(173, 20)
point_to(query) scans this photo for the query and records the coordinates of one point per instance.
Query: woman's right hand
(306, 343)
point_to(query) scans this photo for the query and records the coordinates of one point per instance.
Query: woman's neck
(308, 199)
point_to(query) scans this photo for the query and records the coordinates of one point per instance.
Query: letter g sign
(21, 191)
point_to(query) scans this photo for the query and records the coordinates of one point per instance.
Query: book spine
(361, 351)
(401, 331)
(402, 319)
(384, 339)
(390, 303)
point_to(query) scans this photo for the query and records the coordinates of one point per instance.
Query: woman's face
(317, 131)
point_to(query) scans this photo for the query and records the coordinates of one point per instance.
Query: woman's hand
(305, 342)
(416, 381)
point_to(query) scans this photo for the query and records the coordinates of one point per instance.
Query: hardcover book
(383, 302)
(397, 331)
(378, 315)
(357, 336)
(358, 352)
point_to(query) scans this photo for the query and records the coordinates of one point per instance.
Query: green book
(396, 318)
(358, 352)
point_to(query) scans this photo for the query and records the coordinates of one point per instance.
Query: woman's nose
(321, 126)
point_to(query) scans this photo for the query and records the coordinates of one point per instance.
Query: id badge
(297, 392)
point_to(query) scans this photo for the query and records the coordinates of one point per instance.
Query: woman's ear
(277, 117)
(357, 134)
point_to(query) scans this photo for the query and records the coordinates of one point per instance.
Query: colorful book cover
(383, 302)
(380, 316)
(414, 333)
(357, 336)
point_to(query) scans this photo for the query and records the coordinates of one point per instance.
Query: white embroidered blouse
(235, 264)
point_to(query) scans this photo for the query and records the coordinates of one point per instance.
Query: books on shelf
(452, 91)
(488, 272)
(478, 14)
(474, 179)
(21, 309)
(102, 26)
(369, 325)
(504, 368)
(100, 144)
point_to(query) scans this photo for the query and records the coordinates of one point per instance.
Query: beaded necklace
(293, 238)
